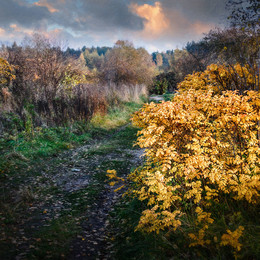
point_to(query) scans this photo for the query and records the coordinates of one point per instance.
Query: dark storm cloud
(99, 15)
(12, 11)
(102, 15)
(112, 13)
(80, 15)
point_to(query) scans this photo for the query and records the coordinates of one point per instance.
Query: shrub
(221, 78)
(201, 176)
(6, 73)
(164, 82)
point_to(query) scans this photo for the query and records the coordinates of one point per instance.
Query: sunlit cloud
(156, 23)
(47, 4)
(167, 28)
(2, 31)
(20, 30)
(15, 27)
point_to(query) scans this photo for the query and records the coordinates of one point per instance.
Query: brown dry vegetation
(50, 87)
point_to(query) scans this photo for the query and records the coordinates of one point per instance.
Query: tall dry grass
(79, 103)
(124, 92)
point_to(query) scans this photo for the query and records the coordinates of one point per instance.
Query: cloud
(199, 28)
(169, 25)
(46, 4)
(2, 31)
(148, 23)
(156, 22)
(89, 15)
(12, 11)
(210, 11)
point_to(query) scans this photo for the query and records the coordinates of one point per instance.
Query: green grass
(25, 155)
(25, 148)
(55, 238)
(168, 244)
(127, 137)
(131, 244)
(168, 96)
(116, 116)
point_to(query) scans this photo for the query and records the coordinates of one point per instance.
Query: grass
(24, 187)
(20, 148)
(129, 244)
(27, 154)
(116, 116)
(25, 148)
(52, 242)
(168, 96)
(132, 244)
(55, 238)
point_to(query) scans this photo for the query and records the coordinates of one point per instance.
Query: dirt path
(63, 209)
(156, 98)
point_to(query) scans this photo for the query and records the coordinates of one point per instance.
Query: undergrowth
(21, 148)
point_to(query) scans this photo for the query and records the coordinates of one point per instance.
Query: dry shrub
(6, 100)
(80, 103)
(52, 88)
(41, 71)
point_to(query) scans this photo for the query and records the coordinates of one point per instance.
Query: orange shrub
(203, 153)
(6, 73)
(221, 78)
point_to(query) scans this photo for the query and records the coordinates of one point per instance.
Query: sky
(155, 24)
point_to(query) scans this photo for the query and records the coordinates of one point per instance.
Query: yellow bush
(222, 78)
(202, 151)
(6, 73)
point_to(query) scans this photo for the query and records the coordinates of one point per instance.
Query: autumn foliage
(6, 73)
(223, 77)
(202, 162)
